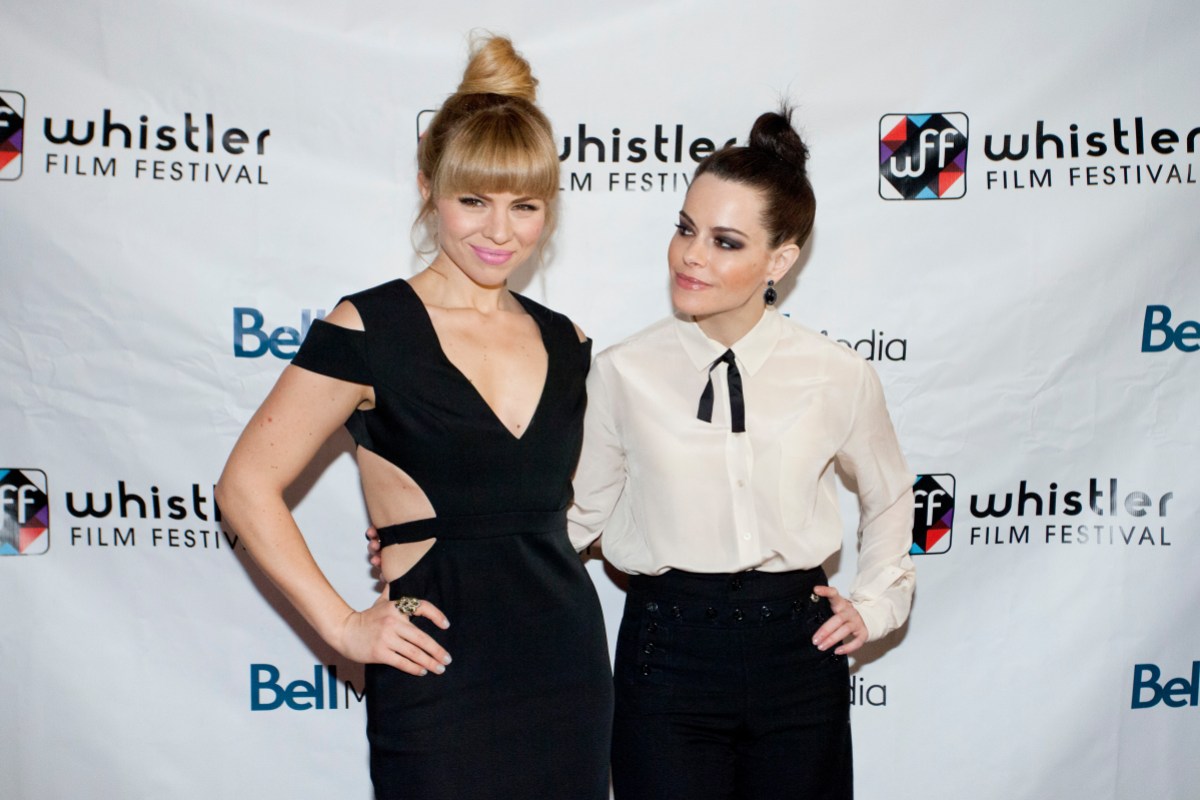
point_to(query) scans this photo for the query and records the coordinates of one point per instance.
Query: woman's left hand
(374, 548)
(845, 626)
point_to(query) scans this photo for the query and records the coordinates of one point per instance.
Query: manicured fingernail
(447, 659)
(424, 672)
(440, 670)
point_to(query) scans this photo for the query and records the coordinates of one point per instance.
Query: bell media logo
(24, 512)
(923, 156)
(933, 514)
(1158, 334)
(252, 340)
(12, 134)
(1149, 690)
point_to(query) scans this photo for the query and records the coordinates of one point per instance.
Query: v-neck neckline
(441, 351)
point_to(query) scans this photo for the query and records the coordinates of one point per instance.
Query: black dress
(525, 709)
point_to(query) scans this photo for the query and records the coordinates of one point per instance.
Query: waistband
(727, 587)
(475, 526)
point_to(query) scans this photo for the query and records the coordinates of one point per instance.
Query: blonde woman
(466, 404)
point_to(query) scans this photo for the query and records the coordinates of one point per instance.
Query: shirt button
(652, 607)
(746, 536)
(735, 583)
(648, 649)
(741, 484)
(812, 598)
(645, 669)
(676, 612)
(766, 612)
(738, 615)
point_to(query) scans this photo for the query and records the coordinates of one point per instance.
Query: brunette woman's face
(720, 256)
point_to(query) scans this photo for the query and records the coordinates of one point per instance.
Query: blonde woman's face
(488, 236)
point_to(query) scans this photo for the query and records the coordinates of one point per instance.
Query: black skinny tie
(737, 405)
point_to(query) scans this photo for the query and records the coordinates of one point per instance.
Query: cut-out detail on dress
(503, 571)
(394, 498)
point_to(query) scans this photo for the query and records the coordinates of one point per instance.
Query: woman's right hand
(382, 635)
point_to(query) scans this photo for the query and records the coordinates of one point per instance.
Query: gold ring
(407, 605)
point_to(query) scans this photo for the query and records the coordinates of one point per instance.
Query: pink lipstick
(685, 282)
(493, 257)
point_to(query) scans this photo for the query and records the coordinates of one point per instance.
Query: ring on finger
(407, 605)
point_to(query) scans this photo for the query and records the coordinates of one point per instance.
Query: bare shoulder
(579, 332)
(345, 315)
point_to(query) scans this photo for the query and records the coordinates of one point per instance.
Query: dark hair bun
(773, 132)
(774, 162)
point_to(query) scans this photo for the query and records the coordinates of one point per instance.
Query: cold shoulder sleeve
(335, 351)
(585, 353)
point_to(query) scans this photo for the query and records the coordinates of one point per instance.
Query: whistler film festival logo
(12, 134)
(658, 157)
(933, 514)
(923, 156)
(173, 148)
(24, 512)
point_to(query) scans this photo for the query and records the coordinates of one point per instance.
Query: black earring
(769, 294)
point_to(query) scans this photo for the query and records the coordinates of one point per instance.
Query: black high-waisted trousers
(720, 692)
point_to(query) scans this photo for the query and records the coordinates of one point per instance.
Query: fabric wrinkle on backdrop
(1006, 230)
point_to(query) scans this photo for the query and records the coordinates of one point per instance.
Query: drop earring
(769, 294)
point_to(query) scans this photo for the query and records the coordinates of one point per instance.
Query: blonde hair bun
(490, 136)
(497, 68)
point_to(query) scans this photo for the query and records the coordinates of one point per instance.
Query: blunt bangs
(499, 152)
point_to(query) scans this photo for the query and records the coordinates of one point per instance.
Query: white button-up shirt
(669, 491)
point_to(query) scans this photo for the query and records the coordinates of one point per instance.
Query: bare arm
(283, 436)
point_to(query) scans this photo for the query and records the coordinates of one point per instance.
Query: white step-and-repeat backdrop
(1008, 227)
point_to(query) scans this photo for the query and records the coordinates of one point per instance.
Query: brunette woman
(710, 449)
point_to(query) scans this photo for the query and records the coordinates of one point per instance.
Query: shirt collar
(752, 350)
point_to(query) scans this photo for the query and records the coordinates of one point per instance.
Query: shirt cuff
(885, 611)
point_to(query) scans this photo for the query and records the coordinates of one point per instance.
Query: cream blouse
(669, 491)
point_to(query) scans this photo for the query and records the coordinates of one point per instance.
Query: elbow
(223, 497)
(229, 494)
